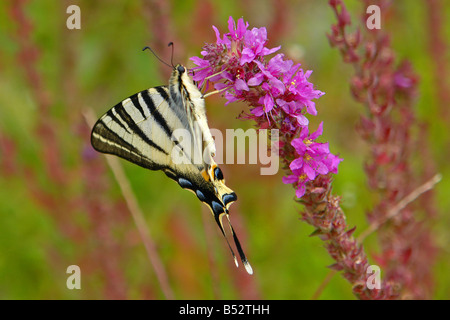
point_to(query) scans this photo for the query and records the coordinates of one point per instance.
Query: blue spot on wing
(200, 195)
(185, 183)
(217, 207)
(229, 197)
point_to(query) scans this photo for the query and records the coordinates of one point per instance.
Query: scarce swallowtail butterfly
(145, 129)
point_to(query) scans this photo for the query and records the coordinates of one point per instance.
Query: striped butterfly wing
(137, 129)
(140, 130)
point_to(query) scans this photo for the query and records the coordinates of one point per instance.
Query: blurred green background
(60, 204)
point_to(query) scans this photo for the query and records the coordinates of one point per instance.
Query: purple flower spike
(278, 92)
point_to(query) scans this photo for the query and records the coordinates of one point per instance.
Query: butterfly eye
(181, 69)
(218, 173)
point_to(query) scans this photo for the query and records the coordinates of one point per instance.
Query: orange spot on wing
(205, 175)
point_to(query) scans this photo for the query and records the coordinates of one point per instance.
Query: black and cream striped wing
(140, 129)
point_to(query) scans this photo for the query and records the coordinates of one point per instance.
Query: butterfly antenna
(158, 57)
(171, 58)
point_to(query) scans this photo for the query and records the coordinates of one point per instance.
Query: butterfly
(165, 128)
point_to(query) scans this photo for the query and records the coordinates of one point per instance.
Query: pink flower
(277, 90)
(314, 158)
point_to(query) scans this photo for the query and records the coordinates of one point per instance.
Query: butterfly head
(183, 83)
(180, 69)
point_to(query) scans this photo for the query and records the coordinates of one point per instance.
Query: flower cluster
(278, 92)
